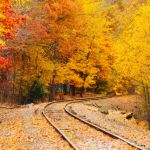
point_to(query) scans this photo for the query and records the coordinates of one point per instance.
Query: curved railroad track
(59, 130)
(54, 110)
(105, 130)
(69, 134)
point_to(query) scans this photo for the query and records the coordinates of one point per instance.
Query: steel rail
(59, 131)
(100, 128)
(4, 107)
(54, 125)
(77, 100)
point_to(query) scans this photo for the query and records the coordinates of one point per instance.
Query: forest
(60, 46)
(74, 74)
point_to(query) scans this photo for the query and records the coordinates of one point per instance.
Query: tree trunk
(30, 97)
(82, 91)
(65, 89)
(147, 102)
(73, 90)
(21, 98)
(14, 76)
(51, 89)
(82, 88)
(51, 93)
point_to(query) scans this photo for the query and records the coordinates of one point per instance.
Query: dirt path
(27, 129)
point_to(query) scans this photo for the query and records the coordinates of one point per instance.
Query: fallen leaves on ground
(23, 129)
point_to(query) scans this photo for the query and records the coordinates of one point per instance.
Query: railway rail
(100, 128)
(72, 144)
(4, 107)
(72, 115)
(57, 129)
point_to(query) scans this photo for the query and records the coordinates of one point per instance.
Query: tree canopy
(95, 44)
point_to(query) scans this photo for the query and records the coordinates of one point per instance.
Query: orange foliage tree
(9, 23)
(8, 28)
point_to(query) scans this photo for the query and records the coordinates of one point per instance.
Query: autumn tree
(31, 64)
(94, 45)
(79, 44)
(85, 44)
(9, 23)
(132, 50)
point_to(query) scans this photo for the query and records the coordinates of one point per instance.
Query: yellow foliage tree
(90, 59)
(133, 47)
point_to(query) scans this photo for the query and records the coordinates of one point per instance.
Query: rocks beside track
(82, 135)
(111, 123)
(104, 110)
(129, 115)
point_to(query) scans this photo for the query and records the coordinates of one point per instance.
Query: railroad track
(62, 131)
(53, 124)
(4, 107)
(73, 114)
(51, 117)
